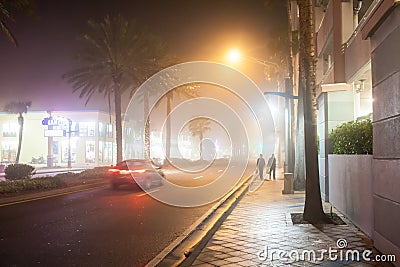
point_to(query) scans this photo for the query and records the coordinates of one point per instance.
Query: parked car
(136, 171)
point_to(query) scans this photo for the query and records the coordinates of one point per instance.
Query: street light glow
(234, 55)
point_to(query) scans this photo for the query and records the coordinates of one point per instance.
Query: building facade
(358, 75)
(86, 138)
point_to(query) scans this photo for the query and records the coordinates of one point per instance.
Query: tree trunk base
(317, 218)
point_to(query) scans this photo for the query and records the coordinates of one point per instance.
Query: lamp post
(69, 144)
(234, 56)
(289, 108)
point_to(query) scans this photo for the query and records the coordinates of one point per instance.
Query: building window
(87, 129)
(105, 152)
(101, 148)
(91, 129)
(65, 148)
(128, 131)
(109, 130)
(102, 129)
(10, 129)
(90, 152)
(8, 151)
(74, 129)
(108, 152)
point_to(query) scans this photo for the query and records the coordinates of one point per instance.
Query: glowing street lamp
(234, 55)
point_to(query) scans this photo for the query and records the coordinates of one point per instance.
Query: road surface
(99, 227)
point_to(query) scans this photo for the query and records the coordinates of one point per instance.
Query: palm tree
(298, 129)
(313, 211)
(18, 108)
(186, 91)
(6, 15)
(198, 127)
(117, 56)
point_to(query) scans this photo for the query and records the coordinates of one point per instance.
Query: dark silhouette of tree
(313, 211)
(284, 45)
(117, 55)
(7, 9)
(186, 91)
(18, 108)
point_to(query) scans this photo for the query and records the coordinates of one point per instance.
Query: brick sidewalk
(260, 226)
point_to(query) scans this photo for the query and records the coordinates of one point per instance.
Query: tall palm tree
(186, 91)
(18, 108)
(117, 55)
(198, 127)
(313, 211)
(6, 7)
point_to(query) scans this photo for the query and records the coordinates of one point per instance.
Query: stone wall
(350, 188)
(385, 55)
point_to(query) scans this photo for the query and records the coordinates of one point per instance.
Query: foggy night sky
(192, 29)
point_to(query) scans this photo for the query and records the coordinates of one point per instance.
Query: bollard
(288, 184)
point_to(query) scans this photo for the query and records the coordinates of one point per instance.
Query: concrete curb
(7, 201)
(189, 242)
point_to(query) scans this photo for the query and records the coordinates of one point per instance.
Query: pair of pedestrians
(271, 166)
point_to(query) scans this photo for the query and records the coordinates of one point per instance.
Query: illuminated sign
(54, 133)
(57, 121)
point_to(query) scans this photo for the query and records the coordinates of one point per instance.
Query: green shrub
(352, 137)
(18, 171)
(97, 172)
(26, 185)
(66, 175)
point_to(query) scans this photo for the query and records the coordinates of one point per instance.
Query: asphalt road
(99, 227)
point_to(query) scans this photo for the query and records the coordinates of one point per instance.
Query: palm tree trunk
(299, 165)
(313, 211)
(118, 122)
(289, 90)
(21, 129)
(146, 125)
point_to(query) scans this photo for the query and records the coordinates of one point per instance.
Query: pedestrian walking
(260, 166)
(272, 167)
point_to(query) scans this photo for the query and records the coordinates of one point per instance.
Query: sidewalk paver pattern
(260, 227)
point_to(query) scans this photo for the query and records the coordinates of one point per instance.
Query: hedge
(353, 137)
(18, 171)
(26, 185)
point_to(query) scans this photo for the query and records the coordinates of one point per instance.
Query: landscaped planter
(350, 188)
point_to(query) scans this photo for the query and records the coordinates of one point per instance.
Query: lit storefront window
(64, 150)
(90, 152)
(74, 129)
(105, 152)
(109, 130)
(10, 129)
(87, 128)
(102, 130)
(8, 151)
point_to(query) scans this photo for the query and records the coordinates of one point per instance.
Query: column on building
(383, 28)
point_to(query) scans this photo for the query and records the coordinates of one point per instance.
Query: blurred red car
(136, 171)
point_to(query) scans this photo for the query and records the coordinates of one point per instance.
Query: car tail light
(123, 172)
(139, 171)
